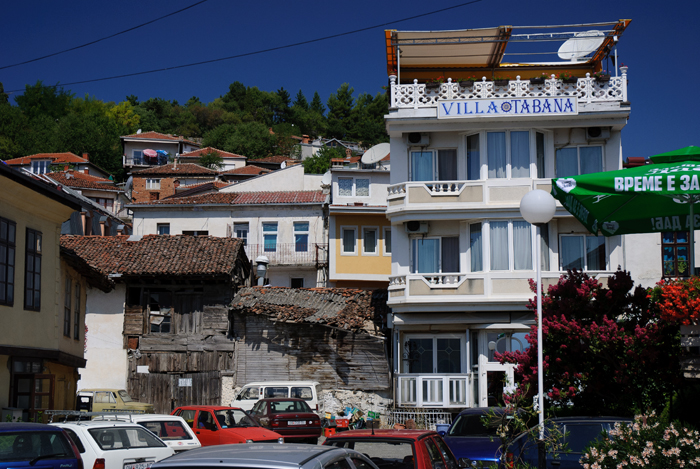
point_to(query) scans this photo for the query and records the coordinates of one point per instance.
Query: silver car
(266, 456)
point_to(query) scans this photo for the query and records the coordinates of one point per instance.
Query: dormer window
(40, 166)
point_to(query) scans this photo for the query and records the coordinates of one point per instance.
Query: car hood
(476, 448)
(254, 433)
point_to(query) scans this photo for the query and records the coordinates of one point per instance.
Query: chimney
(66, 167)
(305, 139)
(86, 156)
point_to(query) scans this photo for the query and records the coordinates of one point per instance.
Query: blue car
(36, 446)
(469, 438)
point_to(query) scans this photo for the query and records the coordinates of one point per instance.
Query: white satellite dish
(376, 153)
(581, 45)
(326, 179)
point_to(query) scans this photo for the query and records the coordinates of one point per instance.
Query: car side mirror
(442, 433)
(464, 462)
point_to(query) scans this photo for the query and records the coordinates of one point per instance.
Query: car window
(276, 391)
(339, 464)
(302, 393)
(446, 453)
(187, 415)
(104, 397)
(124, 437)
(278, 407)
(579, 436)
(205, 420)
(383, 453)
(234, 418)
(24, 446)
(252, 392)
(258, 408)
(75, 439)
(360, 463)
(167, 429)
(125, 396)
(434, 453)
(472, 425)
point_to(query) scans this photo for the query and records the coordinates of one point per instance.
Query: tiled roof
(344, 308)
(55, 158)
(276, 159)
(157, 254)
(250, 169)
(193, 189)
(207, 150)
(159, 136)
(80, 180)
(243, 198)
(176, 170)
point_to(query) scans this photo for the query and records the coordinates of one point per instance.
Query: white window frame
(385, 230)
(354, 186)
(578, 158)
(301, 232)
(343, 229)
(585, 256)
(365, 229)
(412, 265)
(264, 233)
(511, 247)
(435, 152)
(162, 225)
(153, 184)
(471, 251)
(40, 166)
(462, 349)
(532, 150)
(247, 231)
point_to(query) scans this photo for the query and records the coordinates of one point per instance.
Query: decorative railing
(289, 254)
(144, 161)
(585, 90)
(450, 390)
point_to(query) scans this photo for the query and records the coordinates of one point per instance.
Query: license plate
(296, 422)
(139, 465)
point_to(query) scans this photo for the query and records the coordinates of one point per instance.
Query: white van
(252, 392)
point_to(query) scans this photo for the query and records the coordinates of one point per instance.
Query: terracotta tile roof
(157, 254)
(276, 159)
(193, 189)
(246, 198)
(178, 169)
(80, 180)
(159, 136)
(55, 158)
(207, 150)
(250, 169)
(344, 308)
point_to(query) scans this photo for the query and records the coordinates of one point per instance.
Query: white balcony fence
(289, 254)
(444, 391)
(585, 90)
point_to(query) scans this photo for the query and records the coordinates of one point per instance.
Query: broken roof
(176, 169)
(243, 198)
(344, 308)
(80, 180)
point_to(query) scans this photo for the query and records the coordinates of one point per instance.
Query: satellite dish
(326, 179)
(283, 165)
(138, 131)
(376, 153)
(581, 45)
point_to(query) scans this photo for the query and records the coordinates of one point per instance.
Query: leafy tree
(605, 349)
(211, 160)
(285, 141)
(300, 102)
(282, 108)
(4, 98)
(40, 100)
(340, 105)
(367, 120)
(317, 104)
(251, 139)
(321, 161)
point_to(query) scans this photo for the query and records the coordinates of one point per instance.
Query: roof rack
(73, 415)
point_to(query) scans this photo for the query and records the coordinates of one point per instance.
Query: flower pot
(466, 83)
(432, 86)
(570, 80)
(602, 78)
(501, 82)
(537, 81)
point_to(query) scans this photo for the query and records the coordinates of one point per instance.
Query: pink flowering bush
(647, 442)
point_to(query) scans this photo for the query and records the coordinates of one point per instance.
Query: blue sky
(659, 47)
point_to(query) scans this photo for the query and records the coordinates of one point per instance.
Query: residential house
(359, 234)
(310, 147)
(42, 163)
(274, 163)
(42, 298)
(169, 146)
(159, 182)
(463, 155)
(104, 192)
(230, 161)
(244, 173)
(163, 333)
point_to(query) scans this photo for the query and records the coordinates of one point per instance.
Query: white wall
(291, 178)
(379, 180)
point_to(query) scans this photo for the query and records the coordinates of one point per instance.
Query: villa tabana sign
(508, 107)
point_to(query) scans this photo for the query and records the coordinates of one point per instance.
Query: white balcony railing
(585, 90)
(289, 254)
(415, 390)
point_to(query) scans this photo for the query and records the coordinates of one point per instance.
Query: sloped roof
(344, 308)
(80, 180)
(243, 198)
(276, 159)
(178, 255)
(207, 150)
(176, 170)
(66, 157)
(159, 136)
(250, 169)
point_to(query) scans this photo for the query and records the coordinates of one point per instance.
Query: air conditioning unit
(597, 133)
(416, 227)
(417, 139)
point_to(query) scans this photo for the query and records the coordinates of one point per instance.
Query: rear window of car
(279, 407)
(25, 446)
(276, 391)
(167, 429)
(124, 437)
(472, 425)
(579, 436)
(383, 453)
(302, 393)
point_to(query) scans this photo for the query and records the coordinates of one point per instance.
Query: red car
(218, 425)
(398, 449)
(290, 417)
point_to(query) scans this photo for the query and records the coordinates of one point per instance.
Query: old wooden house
(164, 332)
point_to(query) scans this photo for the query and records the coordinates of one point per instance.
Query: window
(539, 153)
(369, 240)
(297, 283)
(582, 252)
(196, 233)
(8, 231)
(103, 202)
(32, 271)
(353, 187)
(505, 342)
(362, 187)
(675, 246)
(433, 255)
(40, 166)
(433, 354)
(269, 236)
(349, 236)
(475, 247)
(473, 158)
(301, 236)
(434, 166)
(160, 307)
(502, 239)
(345, 187)
(240, 231)
(387, 241)
(152, 183)
(572, 161)
(76, 313)
(138, 156)
(66, 308)
(163, 228)
(508, 154)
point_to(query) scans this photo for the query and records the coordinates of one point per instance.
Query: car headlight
(280, 440)
(249, 441)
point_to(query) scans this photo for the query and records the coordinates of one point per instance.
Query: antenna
(581, 45)
(376, 153)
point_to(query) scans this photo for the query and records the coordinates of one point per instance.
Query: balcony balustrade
(143, 161)
(289, 254)
(449, 390)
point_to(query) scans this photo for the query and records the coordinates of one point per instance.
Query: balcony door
(424, 354)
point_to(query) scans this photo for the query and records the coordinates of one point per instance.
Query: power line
(104, 38)
(262, 51)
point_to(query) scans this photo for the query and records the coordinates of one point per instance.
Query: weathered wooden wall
(302, 351)
(165, 392)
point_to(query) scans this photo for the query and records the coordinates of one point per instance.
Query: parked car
(291, 418)
(37, 446)
(109, 444)
(252, 392)
(579, 433)
(173, 430)
(218, 425)
(398, 449)
(470, 439)
(100, 400)
(287, 456)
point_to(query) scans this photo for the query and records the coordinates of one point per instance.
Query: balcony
(143, 161)
(586, 91)
(290, 254)
(443, 391)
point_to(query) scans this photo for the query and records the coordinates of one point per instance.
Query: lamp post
(537, 207)
(261, 269)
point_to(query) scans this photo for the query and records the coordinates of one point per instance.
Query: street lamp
(537, 207)
(261, 269)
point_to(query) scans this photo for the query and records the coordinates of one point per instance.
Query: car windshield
(472, 425)
(384, 453)
(167, 429)
(124, 437)
(280, 407)
(26, 446)
(125, 396)
(234, 418)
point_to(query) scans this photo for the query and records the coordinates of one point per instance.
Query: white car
(172, 429)
(109, 444)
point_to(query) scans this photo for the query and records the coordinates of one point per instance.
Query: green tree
(317, 104)
(40, 100)
(251, 139)
(366, 121)
(211, 160)
(340, 105)
(321, 161)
